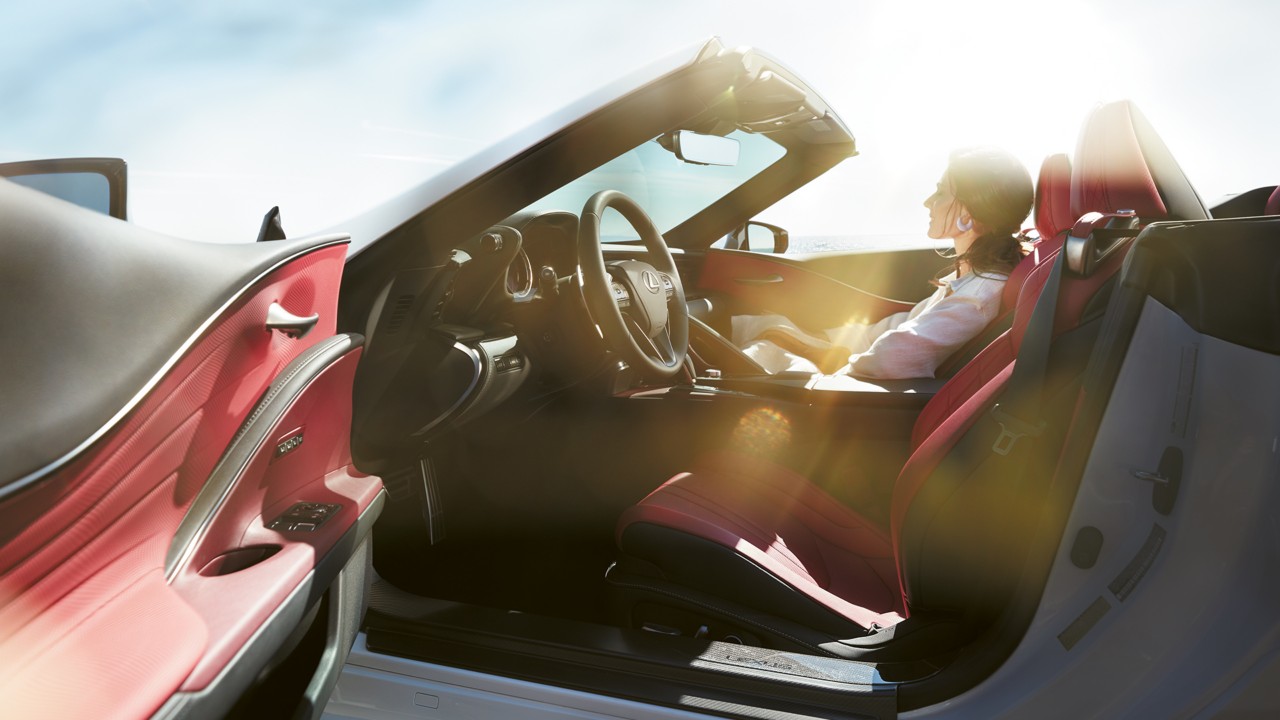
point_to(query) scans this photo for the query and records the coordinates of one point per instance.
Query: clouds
(226, 108)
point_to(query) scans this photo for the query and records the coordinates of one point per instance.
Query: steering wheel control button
(304, 517)
(506, 363)
(620, 295)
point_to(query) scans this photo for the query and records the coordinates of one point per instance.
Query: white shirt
(909, 344)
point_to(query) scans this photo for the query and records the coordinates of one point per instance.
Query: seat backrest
(1128, 167)
(948, 520)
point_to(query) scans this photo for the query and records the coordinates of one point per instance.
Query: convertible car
(487, 450)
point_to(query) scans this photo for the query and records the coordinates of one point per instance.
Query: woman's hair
(997, 191)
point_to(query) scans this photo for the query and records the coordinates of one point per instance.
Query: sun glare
(763, 432)
(919, 80)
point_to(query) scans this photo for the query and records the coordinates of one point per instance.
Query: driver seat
(743, 549)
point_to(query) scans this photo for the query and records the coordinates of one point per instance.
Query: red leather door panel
(88, 623)
(765, 284)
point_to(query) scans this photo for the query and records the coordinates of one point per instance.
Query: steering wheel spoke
(656, 345)
(638, 304)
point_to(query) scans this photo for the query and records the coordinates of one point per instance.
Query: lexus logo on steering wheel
(651, 281)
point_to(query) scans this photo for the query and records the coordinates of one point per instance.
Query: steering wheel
(638, 306)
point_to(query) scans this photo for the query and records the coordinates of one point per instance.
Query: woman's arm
(916, 347)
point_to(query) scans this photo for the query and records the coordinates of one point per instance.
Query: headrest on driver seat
(1122, 164)
(1053, 197)
(1052, 217)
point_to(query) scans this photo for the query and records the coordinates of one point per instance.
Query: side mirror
(757, 236)
(98, 184)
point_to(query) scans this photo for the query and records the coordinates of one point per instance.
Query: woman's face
(944, 210)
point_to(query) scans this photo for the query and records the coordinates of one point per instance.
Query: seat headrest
(1273, 203)
(1122, 164)
(1053, 196)
(1053, 217)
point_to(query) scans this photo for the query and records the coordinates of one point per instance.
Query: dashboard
(450, 341)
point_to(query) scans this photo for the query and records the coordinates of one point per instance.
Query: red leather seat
(752, 545)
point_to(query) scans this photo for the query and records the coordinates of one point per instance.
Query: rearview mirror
(698, 149)
(94, 183)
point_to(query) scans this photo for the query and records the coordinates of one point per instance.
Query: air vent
(398, 312)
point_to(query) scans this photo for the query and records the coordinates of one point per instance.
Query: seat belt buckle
(1012, 429)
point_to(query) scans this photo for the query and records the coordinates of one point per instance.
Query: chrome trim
(651, 281)
(325, 241)
(289, 611)
(531, 286)
(466, 394)
(295, 326)
(206, 507)
(658, 354)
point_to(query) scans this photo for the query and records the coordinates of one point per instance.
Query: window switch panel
(304, 517)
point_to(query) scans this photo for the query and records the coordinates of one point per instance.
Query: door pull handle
(295, 326)
(766, 280)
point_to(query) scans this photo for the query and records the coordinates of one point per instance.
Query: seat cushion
(782, 523)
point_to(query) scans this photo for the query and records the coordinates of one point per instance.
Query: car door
(178, 505)
(820, 289)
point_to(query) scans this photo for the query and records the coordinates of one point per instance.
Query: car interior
(869, 521)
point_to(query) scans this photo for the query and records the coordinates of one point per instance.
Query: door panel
(239, 570)
(88, 619)
(899, 274)
(820, 290)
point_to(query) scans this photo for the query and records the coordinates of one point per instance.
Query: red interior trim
(86, 621)
(795, 296)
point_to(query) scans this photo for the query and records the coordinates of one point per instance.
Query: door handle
(295, 326)
(767, 280)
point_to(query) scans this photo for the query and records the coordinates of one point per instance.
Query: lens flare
(763, 432)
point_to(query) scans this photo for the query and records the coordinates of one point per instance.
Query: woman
(980, 203)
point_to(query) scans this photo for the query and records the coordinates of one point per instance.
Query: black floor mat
(556, 575)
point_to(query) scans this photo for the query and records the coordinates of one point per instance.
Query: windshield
(669, 189)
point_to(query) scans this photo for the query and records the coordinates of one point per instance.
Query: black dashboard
(450, 341)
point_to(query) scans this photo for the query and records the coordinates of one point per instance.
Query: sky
(224, 108)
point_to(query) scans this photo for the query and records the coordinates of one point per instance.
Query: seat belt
(1019, 416)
